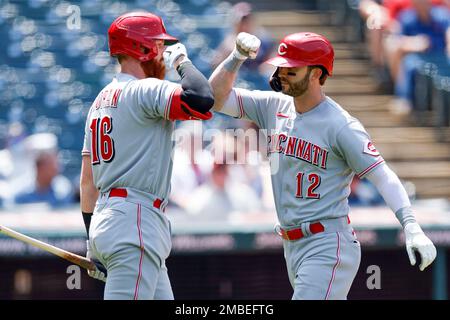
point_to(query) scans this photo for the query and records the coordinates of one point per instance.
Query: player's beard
(298, 88)
(154, 68)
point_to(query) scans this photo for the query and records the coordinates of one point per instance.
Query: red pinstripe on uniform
(361, 174)
(169, 104)
(241, 105)
(141, 245)
(338, 260)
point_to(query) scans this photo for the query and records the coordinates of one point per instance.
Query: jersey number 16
(102, 145)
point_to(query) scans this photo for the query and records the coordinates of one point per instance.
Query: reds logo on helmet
(305, 49)
(370, 149)
(280, 51)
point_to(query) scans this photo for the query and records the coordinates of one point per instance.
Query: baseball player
(317, 148)
(127, 164)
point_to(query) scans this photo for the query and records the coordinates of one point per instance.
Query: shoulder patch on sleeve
(370, 149)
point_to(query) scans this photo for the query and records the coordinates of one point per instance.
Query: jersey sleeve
(86, 151)
(246, 104)
(356, 147)
(155, 97)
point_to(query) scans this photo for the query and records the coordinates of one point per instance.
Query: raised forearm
(223, 77)
(222, 80)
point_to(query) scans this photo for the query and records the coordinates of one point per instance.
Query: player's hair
(121, 57)
(324, 75)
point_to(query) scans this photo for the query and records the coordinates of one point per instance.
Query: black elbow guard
(180, 110)
(201, 103)
(197, 92)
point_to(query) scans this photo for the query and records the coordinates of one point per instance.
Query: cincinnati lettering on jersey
(298, 148)
(108, 98)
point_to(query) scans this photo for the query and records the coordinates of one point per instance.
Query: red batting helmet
(304, 49)
(133, 34)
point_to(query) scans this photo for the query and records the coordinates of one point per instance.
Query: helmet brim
(168, 39)
(284, 62)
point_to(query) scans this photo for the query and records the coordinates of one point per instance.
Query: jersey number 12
(102, 145)
(314, 182)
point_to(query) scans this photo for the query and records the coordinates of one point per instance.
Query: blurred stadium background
(52, 67)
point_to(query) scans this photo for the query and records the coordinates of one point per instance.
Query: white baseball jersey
(128, 135)
(314, 155)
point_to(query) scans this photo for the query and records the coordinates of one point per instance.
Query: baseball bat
(69, 256)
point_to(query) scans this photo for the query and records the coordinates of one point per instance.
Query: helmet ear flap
(275, 82)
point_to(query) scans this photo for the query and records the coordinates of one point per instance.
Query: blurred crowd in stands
(30, 172)
(403, 36)
(39, 165)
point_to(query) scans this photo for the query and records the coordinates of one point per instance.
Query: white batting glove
(96, 274)
(173, 52)
(417, 240)
(247, 46)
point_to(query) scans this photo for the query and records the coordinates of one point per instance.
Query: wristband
(405, 215)
(232, 63)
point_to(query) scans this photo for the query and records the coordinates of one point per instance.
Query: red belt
(295, 234)
(122, 193)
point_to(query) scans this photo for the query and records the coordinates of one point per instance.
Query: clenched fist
(247, 46)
